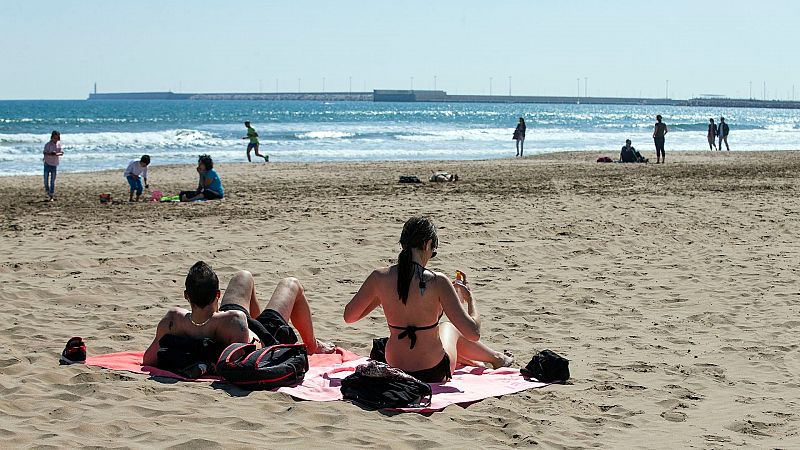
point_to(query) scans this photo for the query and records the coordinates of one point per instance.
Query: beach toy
(156, 196)
(105, 198)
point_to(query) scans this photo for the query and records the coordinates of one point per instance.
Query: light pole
(751, 90)
(579, 87)
(509, 85)
(412, 83)
(667, 91)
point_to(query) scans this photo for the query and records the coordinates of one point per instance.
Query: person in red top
(52, 152)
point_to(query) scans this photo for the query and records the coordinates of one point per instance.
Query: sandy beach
(673, 289)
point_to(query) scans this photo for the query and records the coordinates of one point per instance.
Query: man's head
(722, 119)
(55, 136)
(202, 285)
(144, 161)
(711, 120)
(658, 118)
(247, 124)
(628, 142)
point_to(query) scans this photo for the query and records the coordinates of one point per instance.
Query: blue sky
(57, 49)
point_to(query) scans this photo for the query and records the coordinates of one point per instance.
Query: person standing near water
(519, 136)
(659, 132)
(52, 152)
(712, 135)
(723, 131)
(253, 145)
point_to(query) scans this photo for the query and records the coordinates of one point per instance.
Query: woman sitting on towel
(414, 299)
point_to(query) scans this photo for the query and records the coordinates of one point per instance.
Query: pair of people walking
(720, 132)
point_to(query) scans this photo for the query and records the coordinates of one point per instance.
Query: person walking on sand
(253, 144)
(136, 170)
(519, 136)
(52, 153)
(659, 131)
(723, 130)
(712, 135)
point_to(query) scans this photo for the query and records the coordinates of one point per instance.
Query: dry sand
(673, 289)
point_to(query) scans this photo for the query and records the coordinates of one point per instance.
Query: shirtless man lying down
(238, 317)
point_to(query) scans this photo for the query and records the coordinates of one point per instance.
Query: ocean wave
(324, 135)
(178, 138)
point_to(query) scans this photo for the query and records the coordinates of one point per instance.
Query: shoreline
(564, 155)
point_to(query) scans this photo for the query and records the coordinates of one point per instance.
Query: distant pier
(415, 96)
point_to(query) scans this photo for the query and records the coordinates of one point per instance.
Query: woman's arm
(466, 321)
(365, 300)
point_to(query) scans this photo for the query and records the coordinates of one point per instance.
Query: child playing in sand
(134, 173)
(52, 152)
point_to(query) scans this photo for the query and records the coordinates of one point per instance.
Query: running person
(659, 131)
(253, 145)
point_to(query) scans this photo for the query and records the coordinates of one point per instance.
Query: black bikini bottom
(436, 374)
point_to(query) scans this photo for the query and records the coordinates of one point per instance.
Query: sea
(100, 135)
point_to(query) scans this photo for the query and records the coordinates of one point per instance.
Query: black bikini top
(410, 331)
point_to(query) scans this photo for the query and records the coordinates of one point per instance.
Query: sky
(55, 49)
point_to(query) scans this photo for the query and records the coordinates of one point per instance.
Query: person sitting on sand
(629, 154)
(414, 299)
(209, 187)
(238, 317)
(136, 170)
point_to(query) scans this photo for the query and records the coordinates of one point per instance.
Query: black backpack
(379, 393)
(185, 356)
(264, 368)
(548, 366)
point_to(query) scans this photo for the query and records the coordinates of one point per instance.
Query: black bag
(265, 368)
(183, 355)
(378, 393)
(548, 366)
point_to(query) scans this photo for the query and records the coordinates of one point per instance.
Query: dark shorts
(436, 374)
(270, 326)
(208, 194)
(251, 146)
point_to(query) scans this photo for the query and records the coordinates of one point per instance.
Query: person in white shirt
(134, 173)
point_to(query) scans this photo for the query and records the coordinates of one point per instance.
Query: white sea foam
(145, 139)
(324, 135)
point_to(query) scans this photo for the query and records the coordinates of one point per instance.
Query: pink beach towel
(323, 379)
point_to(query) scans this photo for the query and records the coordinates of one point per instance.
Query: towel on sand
(323, 379)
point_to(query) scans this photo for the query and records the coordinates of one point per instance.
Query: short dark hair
(202, 284)
(207, 161)
(54, 134)
(145, 159)
(247, 122)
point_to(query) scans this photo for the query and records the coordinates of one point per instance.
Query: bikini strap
(410, 331)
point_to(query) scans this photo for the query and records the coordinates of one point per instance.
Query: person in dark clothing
(519, 136)
(723, 131)
(712, 135)
(659, 131)
(629, 154)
